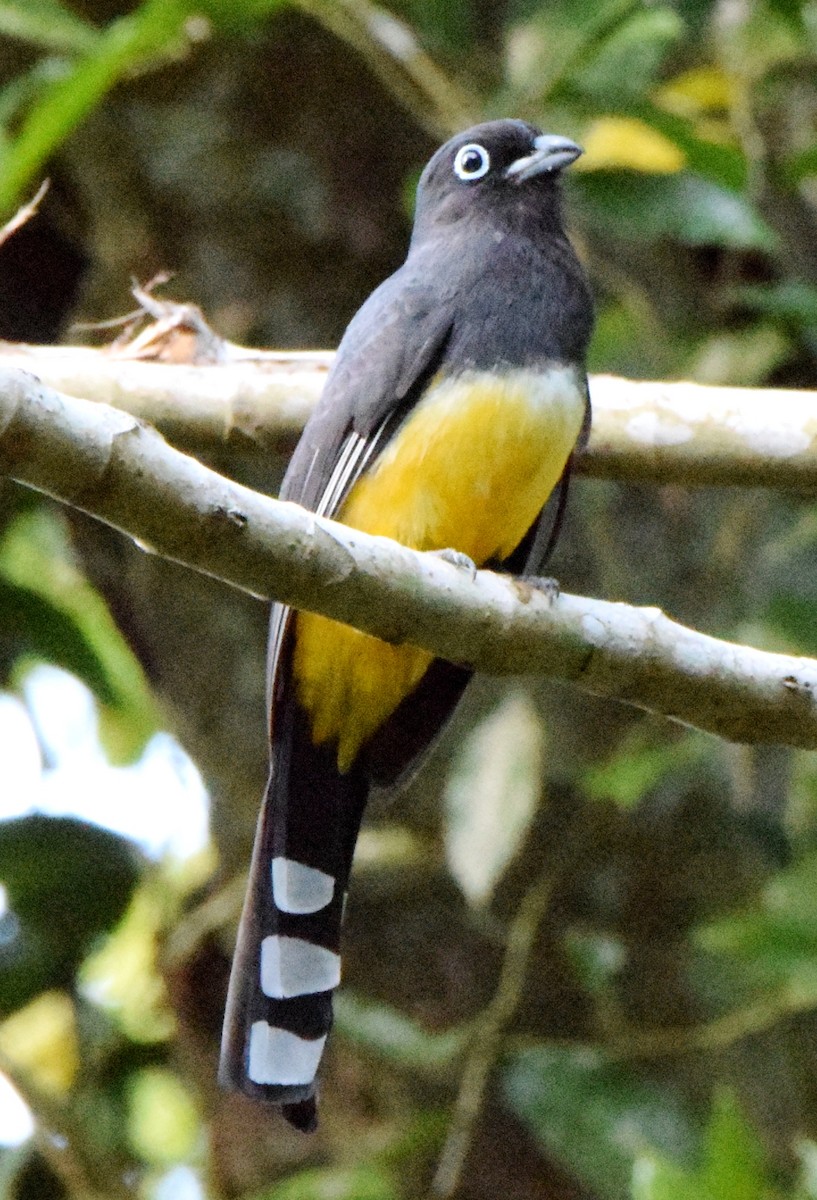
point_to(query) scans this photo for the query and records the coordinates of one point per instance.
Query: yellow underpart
(469, 470)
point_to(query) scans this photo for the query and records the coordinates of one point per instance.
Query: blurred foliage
(40, 859)
(581, 948)
(49, 611)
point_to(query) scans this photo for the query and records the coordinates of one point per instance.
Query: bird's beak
(551, 153)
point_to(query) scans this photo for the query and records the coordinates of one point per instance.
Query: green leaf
(163, 1124)
(702, 213)
(799, 166)
(795, 617)
(625, 343)
(792, 894)
(734, 1161)
(634, 770)
(384, 1031)
(791, 301)
(655, 1178)
(740, 358)
(765, 36)
(492, 795)
(778, 938)
(687, 207)
(594, 1116)
(336, 1183)
(441, 26)
(721, 163)
(66, 883)
(628, 60)
(235, 16)
(778, 945)
(47, 23)
(68, 623)
(151, 32)
(31, 625)
(545, 50)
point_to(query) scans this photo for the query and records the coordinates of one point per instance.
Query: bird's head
(499, 167)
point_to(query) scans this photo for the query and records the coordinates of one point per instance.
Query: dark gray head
(500, 170)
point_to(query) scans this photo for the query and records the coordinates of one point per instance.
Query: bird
(452, 414)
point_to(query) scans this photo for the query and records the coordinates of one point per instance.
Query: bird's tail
(287, 958)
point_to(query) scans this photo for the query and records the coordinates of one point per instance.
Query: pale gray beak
(551, 153)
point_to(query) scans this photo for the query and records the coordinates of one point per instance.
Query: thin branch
(24, 213)
(691, 434)
(256, 402)
(759, 1015)
(390, 48)
(682, 433)
(104, 462)
(487, 1043)
(789, 1000)
(488, 1040)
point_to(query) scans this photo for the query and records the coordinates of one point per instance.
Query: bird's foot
(526, 585)
(457, 559)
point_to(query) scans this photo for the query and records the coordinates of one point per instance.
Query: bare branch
(259, 402)
(103, 461)
(687, 433)
(681, 433)
(24, 213)
(487, 1043)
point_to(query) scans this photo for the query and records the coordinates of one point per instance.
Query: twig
(486, 1045)
(259, 402)
(720, 1033)
(25, 213)
(392, 51)
(488, 1041)
(222, 908)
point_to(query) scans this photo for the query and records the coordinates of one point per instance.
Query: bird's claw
(548, 587)
(457, 559)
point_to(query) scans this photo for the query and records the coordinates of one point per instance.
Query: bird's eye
(472, 162)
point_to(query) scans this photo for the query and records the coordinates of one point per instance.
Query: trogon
(451, 414)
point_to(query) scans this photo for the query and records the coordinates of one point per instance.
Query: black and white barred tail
(287, 958)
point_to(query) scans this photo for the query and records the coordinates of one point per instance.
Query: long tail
(287, 958)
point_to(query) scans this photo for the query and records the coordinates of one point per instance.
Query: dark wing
(391, 348)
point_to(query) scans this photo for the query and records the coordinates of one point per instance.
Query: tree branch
(24, 213)
(662, 433)
(108, 464)
(248, 398)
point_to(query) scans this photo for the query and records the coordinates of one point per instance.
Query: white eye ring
(464, 170)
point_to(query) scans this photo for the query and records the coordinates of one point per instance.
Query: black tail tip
(303, 1115)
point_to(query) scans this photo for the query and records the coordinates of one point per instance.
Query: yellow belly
(469, 470)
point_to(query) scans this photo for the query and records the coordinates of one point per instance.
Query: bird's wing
(391, 348)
